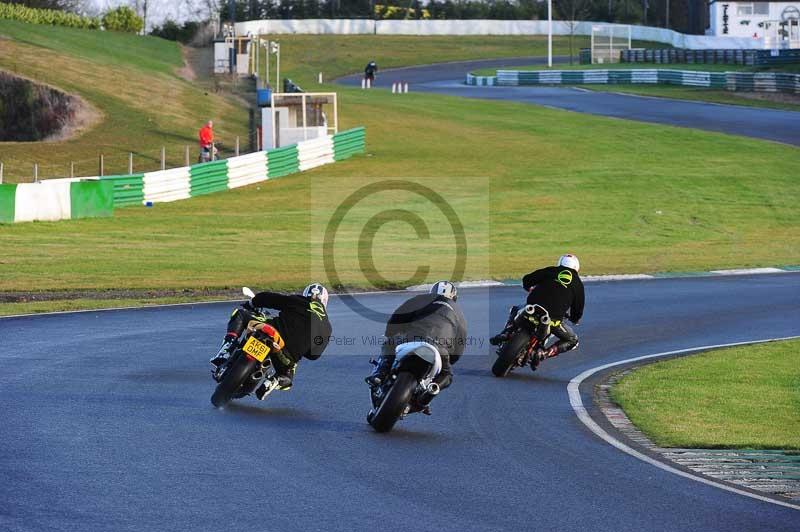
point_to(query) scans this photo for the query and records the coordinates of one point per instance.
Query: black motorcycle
(531, 328)
(249, 369)
(411, 377)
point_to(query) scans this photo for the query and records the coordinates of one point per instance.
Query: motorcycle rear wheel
(510, 353)
(234, 377)
(394, 403)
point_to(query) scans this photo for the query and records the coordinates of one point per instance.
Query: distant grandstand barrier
(733, 81)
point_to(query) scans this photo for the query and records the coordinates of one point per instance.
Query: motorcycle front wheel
(234, 377)
(394, 403)
(509, 354)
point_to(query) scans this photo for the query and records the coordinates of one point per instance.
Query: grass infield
(532, 182)
(742, 397)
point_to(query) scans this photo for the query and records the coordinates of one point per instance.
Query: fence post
(163, 158)
(237, 146)
(187, 155)
(130, 163)
(72, 169)
(102, 165)
(1, 173)
(35, 172)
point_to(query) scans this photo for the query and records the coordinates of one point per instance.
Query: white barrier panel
(46, 201)
(247, 169)
(315, 152)
(644, 76)
(485, 27)
(320, 26)
(596, 76)
(167, 185)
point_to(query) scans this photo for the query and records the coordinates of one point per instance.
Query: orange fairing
(273, 333)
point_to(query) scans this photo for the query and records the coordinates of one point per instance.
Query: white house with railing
(777, 24)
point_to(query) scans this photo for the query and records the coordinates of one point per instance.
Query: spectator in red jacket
(206, 137)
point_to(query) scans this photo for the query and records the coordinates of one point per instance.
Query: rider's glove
(248, 305)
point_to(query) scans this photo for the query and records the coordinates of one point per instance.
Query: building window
(753, 8)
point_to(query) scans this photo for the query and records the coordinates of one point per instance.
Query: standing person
(302, 322)
(206, 137)
(369, 72)
(435, 318)
(558, 289)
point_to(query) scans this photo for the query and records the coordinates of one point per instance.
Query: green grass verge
(744, 397)
(626, 196)
(61, 305)
(764, 100)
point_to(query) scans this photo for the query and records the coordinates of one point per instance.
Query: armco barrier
(128, 189)
(749, 57)
(749, 81)
(56, 199)
(206, 178)
(247, 169)
(348, 143)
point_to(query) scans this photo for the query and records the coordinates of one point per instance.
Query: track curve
(448, 78)
(108, 425)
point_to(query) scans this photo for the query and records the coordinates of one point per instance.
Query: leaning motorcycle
(249, 369)
(411, 377)
(531, 328)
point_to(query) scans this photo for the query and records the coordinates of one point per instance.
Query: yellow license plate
(256, 349)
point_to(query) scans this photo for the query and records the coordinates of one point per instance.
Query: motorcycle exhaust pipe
(433, 389)
(257, 375)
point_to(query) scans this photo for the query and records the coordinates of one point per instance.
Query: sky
(158, 11)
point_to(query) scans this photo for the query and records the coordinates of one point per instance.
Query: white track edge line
(575, 401)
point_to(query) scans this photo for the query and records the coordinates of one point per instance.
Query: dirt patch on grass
(187, 71)
(33, 111)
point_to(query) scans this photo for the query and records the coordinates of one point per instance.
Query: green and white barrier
(750, 81)
(61, 199)
(56, 199)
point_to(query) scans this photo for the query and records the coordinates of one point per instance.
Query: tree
(124, 19)
(571, 11)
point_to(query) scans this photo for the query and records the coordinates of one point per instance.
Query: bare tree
(572, 11)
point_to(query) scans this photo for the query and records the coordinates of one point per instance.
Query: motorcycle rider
(434, 318)
(302, 322)
(558, 289)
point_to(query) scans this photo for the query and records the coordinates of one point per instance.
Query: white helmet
(569, 261)
(317, 291)
(446, 289)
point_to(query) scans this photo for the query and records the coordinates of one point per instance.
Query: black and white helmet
(317, 291)
(446, 289)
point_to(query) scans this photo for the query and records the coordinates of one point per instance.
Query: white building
(777, 23)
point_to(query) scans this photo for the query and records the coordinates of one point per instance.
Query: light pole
(550, 33)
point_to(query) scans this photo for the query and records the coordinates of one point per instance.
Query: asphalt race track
(107, 425)
(448, 78)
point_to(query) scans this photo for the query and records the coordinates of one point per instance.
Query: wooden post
(163, 158)
(102, 165)
(72, 169)
(35, 172)
(1, 173)
(187, 155)
(237, 146)
(130, 163)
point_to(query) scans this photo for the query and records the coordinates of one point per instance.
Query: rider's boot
(380, 373)
(505, 334)
(224, 351)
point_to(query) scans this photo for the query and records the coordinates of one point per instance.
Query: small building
(777, 24)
